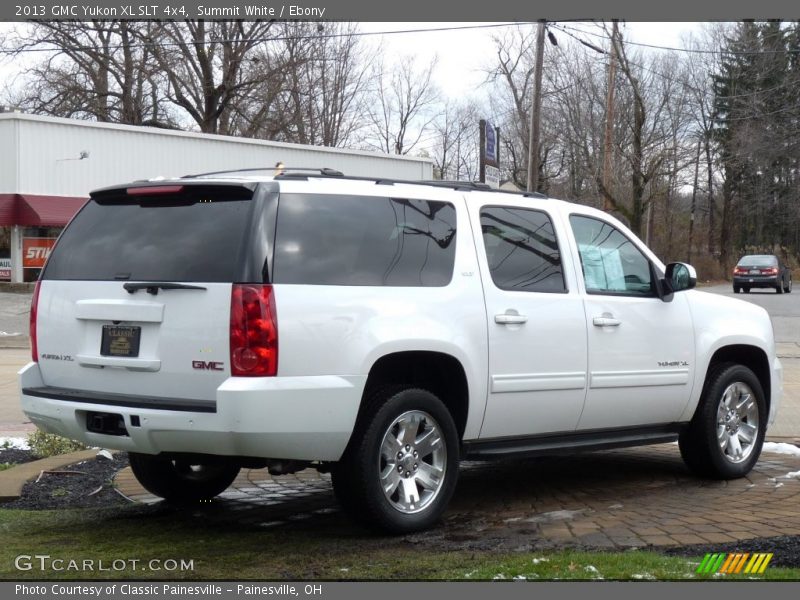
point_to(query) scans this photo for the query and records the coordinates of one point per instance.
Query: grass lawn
(236, 550)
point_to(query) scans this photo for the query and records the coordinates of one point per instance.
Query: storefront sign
(35, 251)
(5, 269)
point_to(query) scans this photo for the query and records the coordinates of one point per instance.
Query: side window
(332, 239)
(522, 250)
(612, 264)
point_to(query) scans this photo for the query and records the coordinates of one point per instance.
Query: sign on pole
(490, 154)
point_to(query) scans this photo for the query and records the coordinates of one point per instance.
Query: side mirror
(680, 276)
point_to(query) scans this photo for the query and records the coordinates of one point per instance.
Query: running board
(567, 443)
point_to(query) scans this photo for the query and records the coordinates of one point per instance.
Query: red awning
(38, 211)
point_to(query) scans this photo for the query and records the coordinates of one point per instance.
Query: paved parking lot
(614, 499)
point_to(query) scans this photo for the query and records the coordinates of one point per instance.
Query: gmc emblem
(207, 365)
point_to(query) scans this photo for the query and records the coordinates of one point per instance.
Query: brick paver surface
(622, 498)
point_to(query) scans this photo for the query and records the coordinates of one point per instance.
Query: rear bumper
(301, 418)
(756, 281)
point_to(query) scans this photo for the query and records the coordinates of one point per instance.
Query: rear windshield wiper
(152, 287)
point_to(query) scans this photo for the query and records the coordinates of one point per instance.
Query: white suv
(381, 330)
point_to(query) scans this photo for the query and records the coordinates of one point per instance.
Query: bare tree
(512, 73)
(207, 66)
(96, 70)
(454, 148)
(404, 108)
(701, 66)
(329, 87)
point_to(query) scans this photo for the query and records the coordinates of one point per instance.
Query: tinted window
(151, 240)
(522, 250)
(356, 240)
(612, 264)
(759, 260)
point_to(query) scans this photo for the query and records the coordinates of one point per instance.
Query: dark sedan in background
(761, 271)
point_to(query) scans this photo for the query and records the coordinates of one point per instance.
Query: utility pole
(536, 109)
(694, 200)
(609, 133)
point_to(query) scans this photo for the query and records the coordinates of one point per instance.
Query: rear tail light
(253, 331)
(32, 330)
(772, 271)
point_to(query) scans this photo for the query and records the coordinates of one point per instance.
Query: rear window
(154, 239)
(758, 260)
(358, 240)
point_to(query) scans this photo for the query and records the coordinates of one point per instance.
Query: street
(784, 309)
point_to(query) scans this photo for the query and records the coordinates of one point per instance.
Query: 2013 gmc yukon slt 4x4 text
(382, 331)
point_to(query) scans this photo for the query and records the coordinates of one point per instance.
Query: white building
(49, 165)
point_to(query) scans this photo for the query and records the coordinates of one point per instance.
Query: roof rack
(280, 171)
(306, 172)
(476, 185)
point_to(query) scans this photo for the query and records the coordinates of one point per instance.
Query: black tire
(746, 290)
(699, 445)
(736, 289)
(182, 481)
(357, 476)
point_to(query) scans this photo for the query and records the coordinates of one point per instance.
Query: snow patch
(105, 454)
(592, 569)
(536, 561)
(14, 442)
(781, 448)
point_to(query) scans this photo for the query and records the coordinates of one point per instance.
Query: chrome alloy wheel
(413, 461)
(737, 422)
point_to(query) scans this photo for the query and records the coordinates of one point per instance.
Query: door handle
(606, 321)
(510, 319)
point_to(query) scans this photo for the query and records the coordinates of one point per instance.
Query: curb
(12, 480)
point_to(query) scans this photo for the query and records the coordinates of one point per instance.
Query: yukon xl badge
(673, 363)
(208, 365)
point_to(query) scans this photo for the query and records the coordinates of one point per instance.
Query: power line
(314, 36)
(685, 84)
(563, 28)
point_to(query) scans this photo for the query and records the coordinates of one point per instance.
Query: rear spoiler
(174, 190)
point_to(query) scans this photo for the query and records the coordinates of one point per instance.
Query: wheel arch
(440, 373)
(751, 357)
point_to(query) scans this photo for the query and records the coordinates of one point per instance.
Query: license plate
(755, 272)
(120, 340)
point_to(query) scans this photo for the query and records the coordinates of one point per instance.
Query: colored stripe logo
(738, 562)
